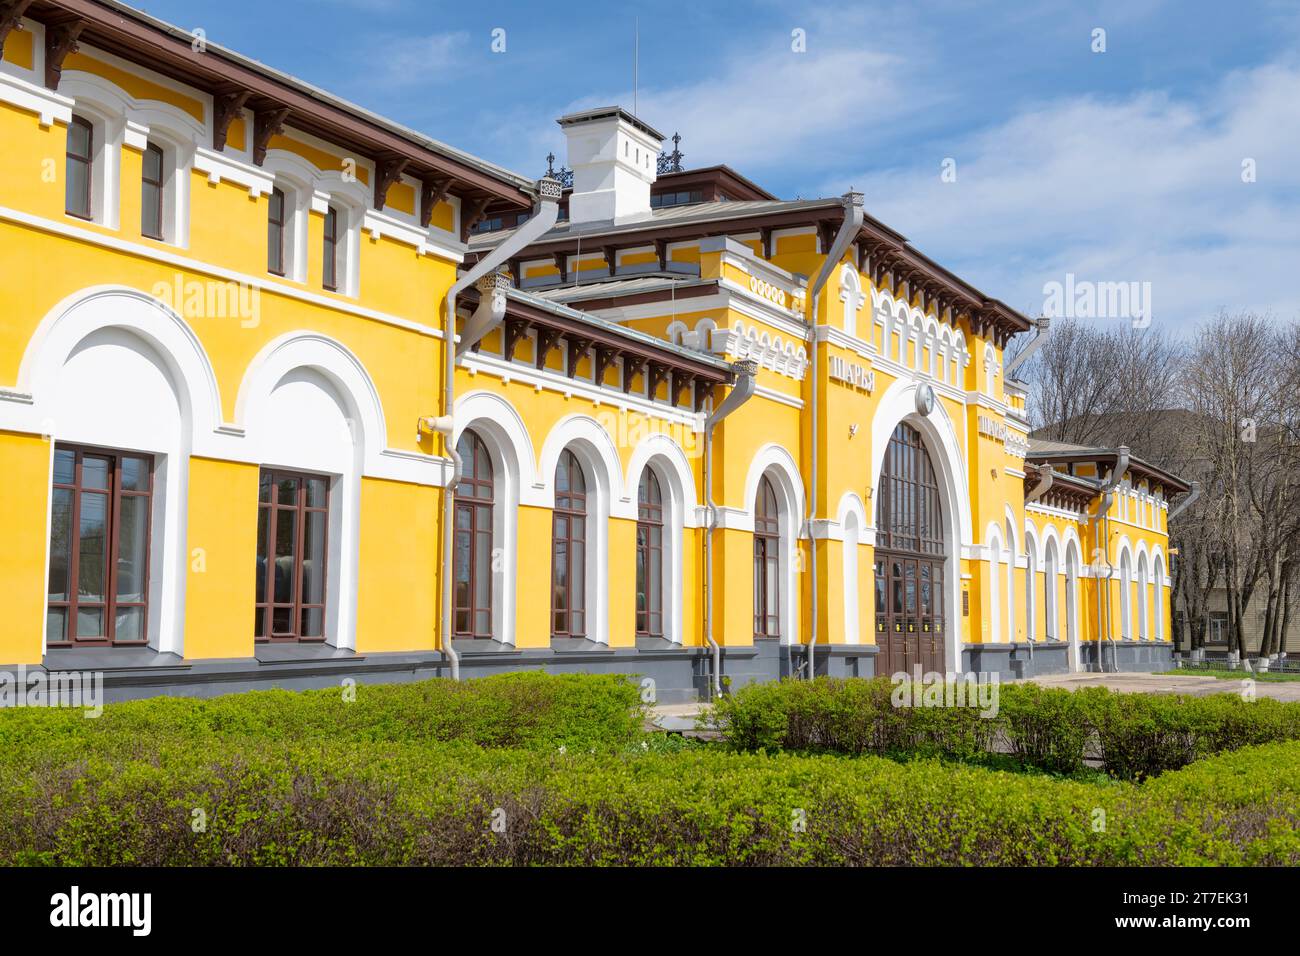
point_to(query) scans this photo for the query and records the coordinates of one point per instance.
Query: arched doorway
(911, 617)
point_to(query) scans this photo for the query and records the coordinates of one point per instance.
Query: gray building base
(679, 674)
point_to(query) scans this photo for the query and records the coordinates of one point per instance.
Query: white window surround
(854, 531)
(121, 120)
(1051, 569)
(1126, 594)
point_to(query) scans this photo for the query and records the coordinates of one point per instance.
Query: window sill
(108, 658)
(577, 645)
(290, 653)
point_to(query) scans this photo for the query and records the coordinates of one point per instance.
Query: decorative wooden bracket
(577, 349)
(516, 329)
(387, 172)
(266, 123)
(826, 231)
(60, 40)
(631, 366)
(703, 390)
(677, 385)
(516, 268)
(11, 15)
(432, 192)
(547, 339)
(605, 357)
(224, 112)
(611, 258)
(562, 263)
(658, 374)
(472, 217)
(765, 236)
(661, 250)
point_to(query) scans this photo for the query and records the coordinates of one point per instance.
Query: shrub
(327, 802)
(1133, 736)
(525, 709)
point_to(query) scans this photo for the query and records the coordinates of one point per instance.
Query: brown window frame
(276, 265)
(110, 605)
(88, 161)
(649, 554)
(767, 555)
(266, 608)
(160, 185)
(475, 514)
(570, 508)
(330, 252)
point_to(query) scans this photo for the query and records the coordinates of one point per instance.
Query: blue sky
(1123, 165)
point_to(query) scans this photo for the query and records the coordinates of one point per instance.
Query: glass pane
(150, 210)
(317, 492)
(56, 624)
(313, 558)
(132, 548)
(153, 164)
(772, 593)
(313, 622)
(90, 622)
(94, 472)
(60, 544)
(78, 139)
(263, 529)
(77, 188)
(286, 529)
(483, 572)
(129, 625)
(287, 491)
(578, 584)
(259, 622)
(135, 474)
(482, 622)
(560, 577)
(264, 487)
(577, 624)
(93, 547)
(65, 467)
(282, 620)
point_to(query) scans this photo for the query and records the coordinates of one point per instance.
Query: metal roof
(601, 288)
(302, 86)
(667, 216)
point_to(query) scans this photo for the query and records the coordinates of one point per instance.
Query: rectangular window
(80, 167)
(292, 545)
(151, 193)
(98, 589)
(330, 265)
(275, 222)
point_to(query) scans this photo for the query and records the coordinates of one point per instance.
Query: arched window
(1050, 568)
(767, 562)
(1031, 586)
(1159, 582)
(277, 222)
(1125, 597)
(1071, 597)
(80, 169)
(1143, 582)
(151, 192)
(649, 557)
(569, 550)
(473, 542)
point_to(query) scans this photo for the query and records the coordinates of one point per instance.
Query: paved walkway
(1195, 685)
(681, 717)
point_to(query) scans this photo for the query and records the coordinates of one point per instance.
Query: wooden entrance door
(911, 619)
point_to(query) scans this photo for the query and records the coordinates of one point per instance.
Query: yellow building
(687, 430)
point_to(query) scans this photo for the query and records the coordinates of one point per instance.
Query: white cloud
(1144, 188)
(404, 62)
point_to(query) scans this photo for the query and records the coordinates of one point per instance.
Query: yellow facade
(190, 350)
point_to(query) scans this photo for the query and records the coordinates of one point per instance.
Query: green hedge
(526, 709)
(322, 802)
(1133, 736)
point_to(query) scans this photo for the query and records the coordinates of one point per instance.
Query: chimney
(614, 157)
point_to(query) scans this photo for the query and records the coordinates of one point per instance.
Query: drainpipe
(1108, 498)
(1042, 324)
(543, 218)
(746, 383)
(848, 232)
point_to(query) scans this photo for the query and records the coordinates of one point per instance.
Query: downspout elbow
(1042, 326)
(1045, 477)
(1185, 503)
